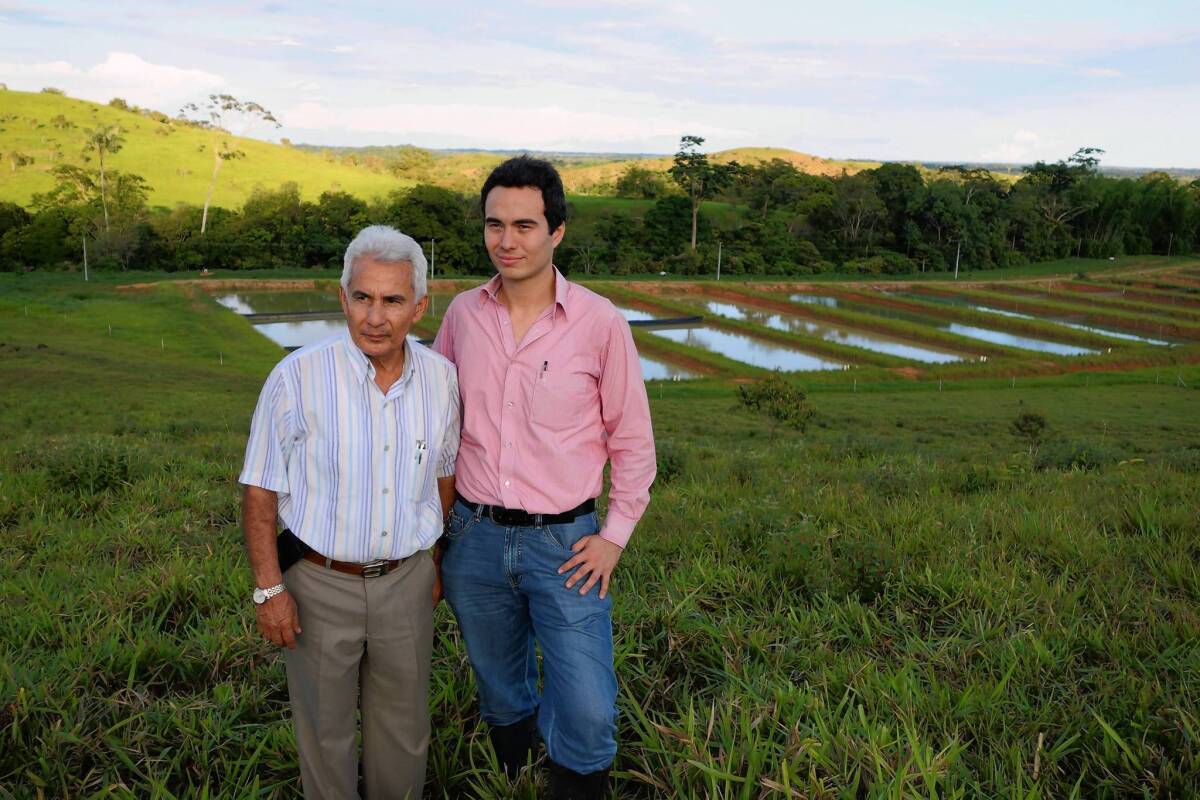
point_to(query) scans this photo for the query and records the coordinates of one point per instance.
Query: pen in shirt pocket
(420, 449)
(542, 374)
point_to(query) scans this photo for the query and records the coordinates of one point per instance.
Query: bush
(671, 461)
(815, 563)
(778, 399)
(1076, 455)
(1030, 426)
(90, 466)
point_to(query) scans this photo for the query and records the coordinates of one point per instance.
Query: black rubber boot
(567, 784)
(515, 744)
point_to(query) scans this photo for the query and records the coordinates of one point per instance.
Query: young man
(552, 391)
(352, 446)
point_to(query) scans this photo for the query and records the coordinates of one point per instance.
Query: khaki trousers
(372, 636)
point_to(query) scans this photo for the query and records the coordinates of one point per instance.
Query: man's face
(516, 234)
(379, 305)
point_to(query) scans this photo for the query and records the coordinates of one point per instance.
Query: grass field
(907, 600)
(175, 160)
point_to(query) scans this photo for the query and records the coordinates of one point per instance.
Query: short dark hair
(522, 171)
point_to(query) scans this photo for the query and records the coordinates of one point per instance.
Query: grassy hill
(174, 158)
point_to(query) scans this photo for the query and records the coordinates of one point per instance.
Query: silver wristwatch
(263, 595)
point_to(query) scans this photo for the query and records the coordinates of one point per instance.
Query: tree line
(894, 219)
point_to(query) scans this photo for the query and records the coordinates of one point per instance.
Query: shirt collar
(562, 290)
(364, 370)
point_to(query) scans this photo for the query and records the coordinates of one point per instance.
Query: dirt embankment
(234, 285)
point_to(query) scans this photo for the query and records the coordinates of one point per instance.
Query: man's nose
(375, 315)
(507, 239)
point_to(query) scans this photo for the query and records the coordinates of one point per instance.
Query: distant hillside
(174, 158)
(583, 173)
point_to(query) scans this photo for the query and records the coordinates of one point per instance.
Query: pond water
(291, 335)
(737, 346)
(1076, 325)
(966, 303)
(867, 340)
(1015, 340)
(814, 300)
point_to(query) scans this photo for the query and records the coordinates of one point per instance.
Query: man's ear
(558, 233)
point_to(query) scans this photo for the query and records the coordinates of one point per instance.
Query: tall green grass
(906, 600)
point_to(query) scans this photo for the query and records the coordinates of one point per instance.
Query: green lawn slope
(174, 158)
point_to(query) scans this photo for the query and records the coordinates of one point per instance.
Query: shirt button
(509, 404)
(508, 483)
(383, 534)
(508, 444)
(385, 491)
(387, 447)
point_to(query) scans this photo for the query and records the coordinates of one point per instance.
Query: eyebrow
(497, 221)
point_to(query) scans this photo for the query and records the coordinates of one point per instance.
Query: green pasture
(175, 159)
(908, 599)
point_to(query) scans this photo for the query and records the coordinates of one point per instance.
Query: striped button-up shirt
(355, 468)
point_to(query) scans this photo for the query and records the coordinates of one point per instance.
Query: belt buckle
(373, 569)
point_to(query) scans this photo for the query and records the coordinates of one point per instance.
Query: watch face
(260, 596)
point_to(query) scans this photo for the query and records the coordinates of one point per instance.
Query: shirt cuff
(447, 471)
(617, 529)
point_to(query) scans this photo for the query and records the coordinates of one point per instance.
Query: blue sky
(939, 80)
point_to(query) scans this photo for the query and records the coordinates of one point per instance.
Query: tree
(219, 111)
(103, 141)
(641, 183)
(780, 400)
(1055, 182)
(699, 178)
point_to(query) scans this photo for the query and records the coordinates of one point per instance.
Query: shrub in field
(91, 466)
(1185, 459)
(781, 401)
(975, 478)
(1030, 426)
(1076, 455)
(671, 461)
(816, 563)
(892, 477)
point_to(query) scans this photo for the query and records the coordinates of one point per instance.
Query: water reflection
(737, 346)
(654, 370)
(1077, 326)
(1014, 340)
(291, 335)
(280, 302)
(814, 300)
(792, 323)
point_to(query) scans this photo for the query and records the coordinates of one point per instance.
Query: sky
(958, 81)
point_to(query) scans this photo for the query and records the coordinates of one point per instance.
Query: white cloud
(1018, 148)
(123, 75)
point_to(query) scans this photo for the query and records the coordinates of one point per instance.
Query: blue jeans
(504, 587)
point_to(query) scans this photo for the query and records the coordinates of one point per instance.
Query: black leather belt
(518, 518)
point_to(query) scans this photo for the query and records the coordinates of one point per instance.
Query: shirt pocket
(561, 399)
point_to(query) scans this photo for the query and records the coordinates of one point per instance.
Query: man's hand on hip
(279, 620)
(593, 555)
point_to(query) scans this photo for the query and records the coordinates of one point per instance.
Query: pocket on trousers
(457, 524)
(567, 534)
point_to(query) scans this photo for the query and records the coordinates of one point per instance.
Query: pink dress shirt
(541, 419)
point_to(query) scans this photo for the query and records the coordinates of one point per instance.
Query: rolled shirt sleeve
(271, 437)
(625, 411)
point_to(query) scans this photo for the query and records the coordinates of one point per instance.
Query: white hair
(390, 246)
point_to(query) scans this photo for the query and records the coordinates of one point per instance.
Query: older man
(352, 448)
